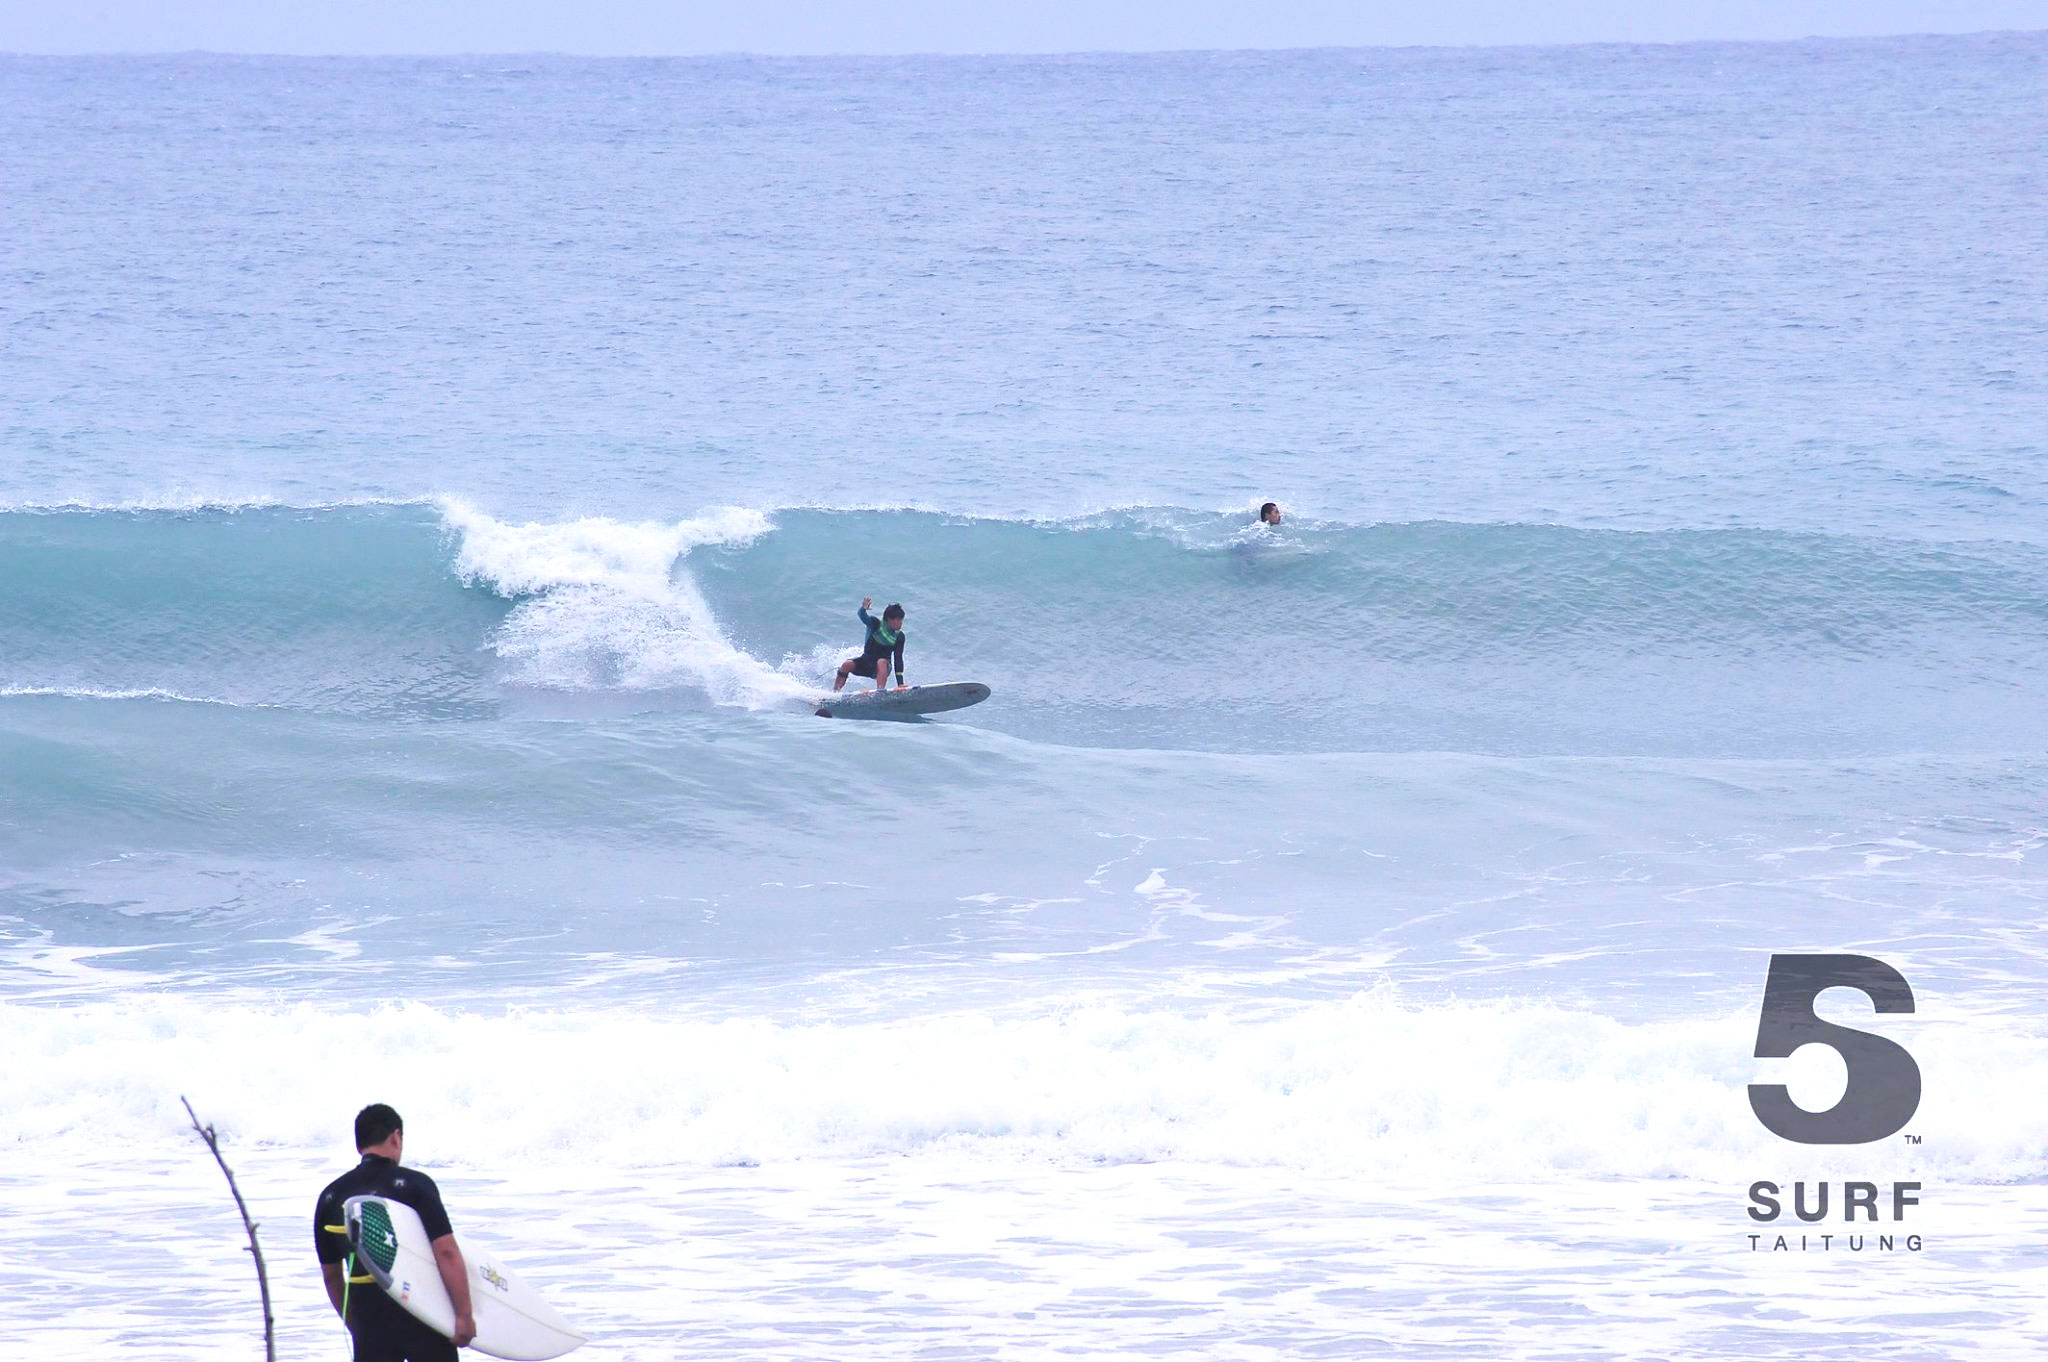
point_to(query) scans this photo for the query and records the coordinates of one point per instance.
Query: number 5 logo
(1884, 1082)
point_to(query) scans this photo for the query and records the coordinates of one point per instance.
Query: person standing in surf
(382, 1329)
(884, 643)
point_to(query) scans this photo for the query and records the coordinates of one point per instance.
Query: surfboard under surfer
(884, 645)
(383, 1330)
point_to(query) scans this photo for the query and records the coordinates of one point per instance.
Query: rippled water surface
(432, 493)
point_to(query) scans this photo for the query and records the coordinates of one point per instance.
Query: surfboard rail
(912, 702)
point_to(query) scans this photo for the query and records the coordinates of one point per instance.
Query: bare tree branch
(262, 1278)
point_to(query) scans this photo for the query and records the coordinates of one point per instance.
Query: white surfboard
(512, 1321)
(909, 703)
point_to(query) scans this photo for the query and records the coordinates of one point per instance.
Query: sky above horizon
(794, 27)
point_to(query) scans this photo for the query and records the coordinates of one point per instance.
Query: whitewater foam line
(136, 693)
(1245, 516)
(183, 503)
(1168, 517)
(604, 604)
(1369, 1084)
(456, 508)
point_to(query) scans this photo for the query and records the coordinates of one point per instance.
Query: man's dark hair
(375, 1124)
(894, 612)
(1268, 509)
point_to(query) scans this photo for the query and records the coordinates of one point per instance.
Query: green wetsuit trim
(882, 641)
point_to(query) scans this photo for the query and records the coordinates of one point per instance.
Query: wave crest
(609, 605)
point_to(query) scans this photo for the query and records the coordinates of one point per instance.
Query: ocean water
(429, 491)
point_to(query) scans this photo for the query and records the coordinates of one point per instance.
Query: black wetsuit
(882, 642)
(382, 1329)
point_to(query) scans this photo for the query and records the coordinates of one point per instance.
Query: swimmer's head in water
(1269, 514)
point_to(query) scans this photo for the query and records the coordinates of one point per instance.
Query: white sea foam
(189, 502)
(117, 693)
(1469, 1092)
(605, 604)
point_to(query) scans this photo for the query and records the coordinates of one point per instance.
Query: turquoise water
(430, 489)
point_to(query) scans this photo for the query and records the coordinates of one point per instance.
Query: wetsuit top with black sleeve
(882, 642)
(376, 1320)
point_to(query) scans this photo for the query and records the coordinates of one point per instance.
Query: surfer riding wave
(884, 646)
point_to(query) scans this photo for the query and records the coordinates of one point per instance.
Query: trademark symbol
(1912, 1139)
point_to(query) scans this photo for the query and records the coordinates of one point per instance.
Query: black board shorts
(862, 665)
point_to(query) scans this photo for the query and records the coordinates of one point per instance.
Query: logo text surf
(1880, 1097)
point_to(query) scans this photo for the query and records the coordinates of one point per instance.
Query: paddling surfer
(382, 1329)
(884, 644)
